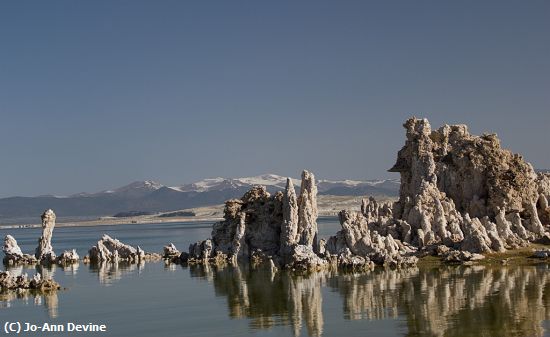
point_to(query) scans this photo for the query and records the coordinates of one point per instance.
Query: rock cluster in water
(112, 250)
(9, 281)
(461, 196)
(44, 253)
(279, 229)
(458, 191)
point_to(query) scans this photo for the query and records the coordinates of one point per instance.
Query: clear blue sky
(96, 94)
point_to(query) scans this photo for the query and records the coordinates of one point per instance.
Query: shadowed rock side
(279, 229)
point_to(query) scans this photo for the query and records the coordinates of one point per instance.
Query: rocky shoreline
(461, 197)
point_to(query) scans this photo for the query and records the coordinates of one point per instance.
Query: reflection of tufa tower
(269, 299)
(451, 301)
(44, 251)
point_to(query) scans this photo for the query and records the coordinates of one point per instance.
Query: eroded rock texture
(280, 229)
(44, 251)
(457, 190)
(170, 251)
(68, 257)
(13, 254)
(10, 281)
(112, 250)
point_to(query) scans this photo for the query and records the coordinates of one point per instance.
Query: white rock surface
(44, 251)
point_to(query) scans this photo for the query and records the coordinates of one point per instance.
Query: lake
(163, 300)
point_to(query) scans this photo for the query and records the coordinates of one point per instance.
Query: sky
(97, 94)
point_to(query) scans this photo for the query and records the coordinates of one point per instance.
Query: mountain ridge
(152, 196)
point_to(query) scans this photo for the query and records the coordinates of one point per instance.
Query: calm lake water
(155, 299)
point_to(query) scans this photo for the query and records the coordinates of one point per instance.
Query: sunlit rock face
(459, 187)
(68, 257)
(109, 249)
(44, 251)
(458, 190)
(13, 254)
(9, 281)
(280, 229)
(471, 177)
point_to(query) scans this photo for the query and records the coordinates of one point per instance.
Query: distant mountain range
(150, 196)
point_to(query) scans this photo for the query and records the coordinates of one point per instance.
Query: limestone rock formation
(13, 254)
(363, 236)
(112, 250)
(68, 257)
(9, 281)
(460, 188)
(543, 184)
(457, 190)
(307, 211)
(44, 251)
(280, 229)
(170, 251)
(289, 229)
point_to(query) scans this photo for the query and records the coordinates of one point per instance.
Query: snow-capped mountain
(268, 180)
(136, 188)
(151, 196)
(276, 182)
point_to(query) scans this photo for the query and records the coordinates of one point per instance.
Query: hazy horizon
(97, 95)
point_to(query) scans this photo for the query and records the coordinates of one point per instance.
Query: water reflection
(268, 298)
(47, 298)
(109, 272)
(448, 301)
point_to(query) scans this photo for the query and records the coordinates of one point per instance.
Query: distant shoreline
(118, 221)
(328, 206)
(138, 220)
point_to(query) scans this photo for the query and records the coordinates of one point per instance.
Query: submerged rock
(541, 253)
(457, 256)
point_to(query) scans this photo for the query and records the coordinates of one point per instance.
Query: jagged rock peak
(280, 229)
(307, 211)
(474, 171)
(459, 191)
(289, 229)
